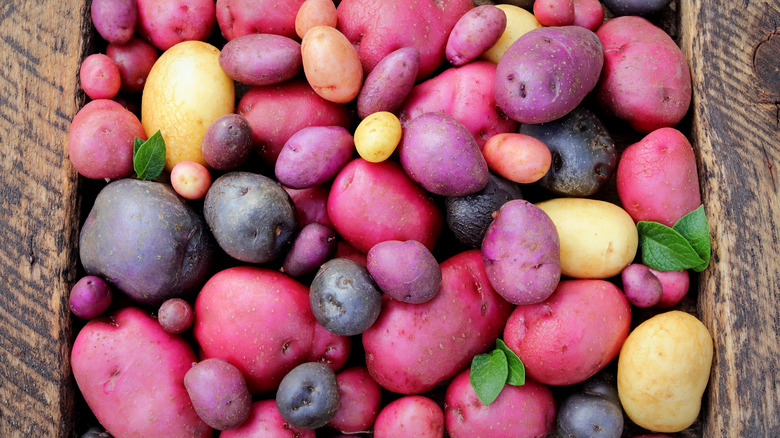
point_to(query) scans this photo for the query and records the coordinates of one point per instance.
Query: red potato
(675, 286)
(134, 60)
(657, 178)
(465, 93)
(261, 59)
(406, 271)
(518, 412)
(265, 421)
(413, 347)
(175, 315)
(329, 348)
(474, 33)
(361, 399)
(99, 77)
(554, 12)
(242, 17)
(131, 373)
(315, 13)
(646, 80)
(379, 27)
(411, 416)
(114, 20)
(311, 205)
(346, 251)
(166, 23)
(572, 335)
(276, 112)
(389, 83)
(588, 14)
(517, 157)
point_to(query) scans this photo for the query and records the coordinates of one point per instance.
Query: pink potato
(378, 27)
(572, 335)
(242, 17)
(406, 271)
(474, 33)
(99, 77)
(134, 60)
(361, 399)
(518, 412)
(588, 14)
(191, 180)
(175, 315)
(315, 13)
(166, 23)
(131, 373)
(257, 319)
(554, 12)
(413, 347)
(276, 112)
(218, 393)
(657, 178)
(311, 205)
(265, 421)
(465, 93)
(675, 286)
(373, 202)
(314, 155)
(101, 138)
(114, 20)
(261, 59)
(346, 251)
(646, 80)
(389, 83)
(329, 348)
(410, 416)
(517, 157)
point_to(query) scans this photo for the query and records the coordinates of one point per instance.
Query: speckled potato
(186, 91)
(663, 369)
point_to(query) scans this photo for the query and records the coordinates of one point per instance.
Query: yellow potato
(185, 92)
(377, 136)
(518, 22)
(663, 369)
(598, 239)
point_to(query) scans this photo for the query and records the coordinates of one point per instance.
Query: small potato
(227, 142)
(308, 396)
(99, 76)
(331, 64)
(517, 157)
(674, 284)
(313, 155)
(312, 247)
(388, 84)
(642, 287)
(175, 315)
(588, 14)
(406, 271)
(377, 136)
(261, 59)
(518, 22)
(191, 180)
(474, 33)
(598, 239)
(89, 297)
(115, 20)
(663, 369)
(554, 12)
(219, 393)
(315, 13)
(410, 416)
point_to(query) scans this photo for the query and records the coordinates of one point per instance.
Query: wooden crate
(734, 52)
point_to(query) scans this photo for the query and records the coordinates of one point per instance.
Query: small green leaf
(137, 145)
(149, 158)
(664, 249)
(488, 375)
(695, 229)
(516, 375)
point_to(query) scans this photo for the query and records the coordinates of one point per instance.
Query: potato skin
(261, 59)
(413, 347)
(131, 373)
(410, 416)
(314, 155)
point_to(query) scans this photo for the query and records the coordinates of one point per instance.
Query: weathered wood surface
(734, 48)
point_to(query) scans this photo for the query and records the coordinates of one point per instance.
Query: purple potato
(219, 393)
(313, 246)
(308, 396)
(642, 288)
(588, 416)
(227, 142)
(388, 84)
(474, 33)
(115, 20)
(175, 315)
(314, 155)
(261, 59)
(89, 297)
(406, 271)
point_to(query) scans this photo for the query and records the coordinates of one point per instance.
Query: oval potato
(331, 64)
(518, 22)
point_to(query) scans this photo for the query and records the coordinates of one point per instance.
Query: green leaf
(488, 375)
(136, 145)
(695, 229)
(664, 249)
(149, 158)
(516, 375)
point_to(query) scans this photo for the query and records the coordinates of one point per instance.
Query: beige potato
(598, 239)
(518, 22)
(663, 369)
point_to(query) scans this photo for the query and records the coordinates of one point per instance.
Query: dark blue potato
(146, 241)
(604, 385)
(636, 7)
(468, 217)
(251, 216)
(344, 298)
(589, 416)
(583, 153)
(308, 396)
(96, 432)
(227, 142)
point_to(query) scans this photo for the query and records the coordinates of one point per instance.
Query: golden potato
(518, 22)
(663, 369)
(598, 239)
(377, 136)
(185, 92)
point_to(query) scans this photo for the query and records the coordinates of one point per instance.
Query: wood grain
(734, 48)
(40, 43)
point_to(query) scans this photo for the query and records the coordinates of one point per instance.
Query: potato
(547, 72)
(474, 33)
(175, 315)
(572, 335)
(265, 421)
(166, 23)
(361, 399)
(313, 155)
(388, 84)
(331, 64)
(554, 12)
(135, 60)
(636, 7)
(227, 142)
(311, 205)
(663, 370)
(131, 373)
(261, 59)
(313, 246)
(329, 348)
(675, 286)
(315, 13)
(114, 20)
(99, 77)
(588, 14)
(518, 22)
(377, 136)
(413, 347)
(308, 396)
(521, 252)
(642, 288)
(219, 393)
(410, 416)
(242, 17)
(89, 297)
(185, 92)
(598, 239)
(517, 157)
(406, 271)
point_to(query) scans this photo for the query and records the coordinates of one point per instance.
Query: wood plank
(734, 48)
(41, 44)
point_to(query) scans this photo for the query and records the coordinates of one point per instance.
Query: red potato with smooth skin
(166, 23)
(329, 348)
(99, 77)
(517, 157)
(361, 399)
(242, 17)
(218, 393)
(311, 205)
(379, 27)
(131, 373)
(519, 411)
(315, 13)
(410, 416)
(657, 178)
(572, 335)
(134, 60)
(646, 80)
(588, 14)
(373, 202)
(389, 83)
(413, 347)
(114, 20)
(474, 33)
(554, 12)
(265, 421)
(261, 59)
(465, 93)
(331, 64)
(314, 155)
(675, 286)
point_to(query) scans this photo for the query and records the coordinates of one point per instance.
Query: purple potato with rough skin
(146, 241)
(89, 297)
(474, 33)
(388, 84)
(642, 288)
(218, 393)
(314, 155)
(547, 73)
(261, 59)
(406, 271)
(521, 252)
(227, 142)
(313, 246)
(115, 20)
(441, 155)
(175, 315)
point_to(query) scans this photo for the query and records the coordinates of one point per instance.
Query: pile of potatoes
(359, 197)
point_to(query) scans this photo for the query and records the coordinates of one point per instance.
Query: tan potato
(598, 239)
(663, 369)
(331, 64)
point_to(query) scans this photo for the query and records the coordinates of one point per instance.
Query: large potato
(663, 370)
(185, 92)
